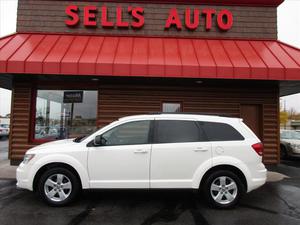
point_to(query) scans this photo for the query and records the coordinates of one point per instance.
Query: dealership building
(75, 66)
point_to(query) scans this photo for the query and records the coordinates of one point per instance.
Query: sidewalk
(6, 170)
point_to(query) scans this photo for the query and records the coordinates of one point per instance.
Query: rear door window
(220, 132)
(177, 131)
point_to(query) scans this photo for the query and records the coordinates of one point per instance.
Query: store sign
(192, 18)
(73, 96)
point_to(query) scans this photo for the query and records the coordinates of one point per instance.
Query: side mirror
(99, 141)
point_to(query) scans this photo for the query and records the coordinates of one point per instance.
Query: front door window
(132, 133)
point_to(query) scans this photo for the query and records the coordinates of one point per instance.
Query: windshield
(82, 138)
(290, 135)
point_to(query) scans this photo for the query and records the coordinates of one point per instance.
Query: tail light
(259, 148)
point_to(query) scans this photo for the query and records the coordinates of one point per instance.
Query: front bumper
(293, 152)
(23, 178)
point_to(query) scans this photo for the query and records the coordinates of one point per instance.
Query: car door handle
(201, 149)
(140, 151)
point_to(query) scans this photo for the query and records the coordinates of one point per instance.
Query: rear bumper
(259, 178)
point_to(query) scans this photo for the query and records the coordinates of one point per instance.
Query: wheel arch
(231, 168)
(48, 166)
(55, 160)
(283, 145)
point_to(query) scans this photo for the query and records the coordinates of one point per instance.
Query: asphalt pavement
(276, 203)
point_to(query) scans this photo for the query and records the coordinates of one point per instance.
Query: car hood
(55, 145)
(292, 141)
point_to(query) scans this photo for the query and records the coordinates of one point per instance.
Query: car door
(123, 161)
(179, 149)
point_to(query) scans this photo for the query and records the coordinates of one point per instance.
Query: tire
(58, 187)
(223, 189)
(283, 152)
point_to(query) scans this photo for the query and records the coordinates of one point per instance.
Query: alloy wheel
(224, 190)
(57, 187)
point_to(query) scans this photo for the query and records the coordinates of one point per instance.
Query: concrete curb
(275, 177)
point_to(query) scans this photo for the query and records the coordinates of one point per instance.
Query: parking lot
(274, 203)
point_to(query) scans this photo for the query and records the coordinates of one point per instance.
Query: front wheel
(283, 152)
(58, 186)
(223, 189)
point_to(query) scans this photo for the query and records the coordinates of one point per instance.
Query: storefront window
(65, 114)
(171, 107)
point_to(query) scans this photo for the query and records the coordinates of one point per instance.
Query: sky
(8, 16)
(288, 31)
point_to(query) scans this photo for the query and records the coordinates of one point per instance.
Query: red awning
(152, 57)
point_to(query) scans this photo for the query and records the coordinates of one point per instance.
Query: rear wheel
(223, 189)
(58, 186)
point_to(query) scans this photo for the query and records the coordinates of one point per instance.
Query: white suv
(219, 156)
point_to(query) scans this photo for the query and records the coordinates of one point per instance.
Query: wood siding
(118, 100)
(49, 16)
(20, 120)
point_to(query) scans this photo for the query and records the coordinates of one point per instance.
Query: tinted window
(220, 132)
(132, 133)
(173, 131)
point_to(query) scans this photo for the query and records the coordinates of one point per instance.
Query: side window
(132, 133)
(220, 132)
(177, 131)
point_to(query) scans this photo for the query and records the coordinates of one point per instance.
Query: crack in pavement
(293, 211)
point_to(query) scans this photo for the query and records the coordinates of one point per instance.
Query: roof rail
(190, 113)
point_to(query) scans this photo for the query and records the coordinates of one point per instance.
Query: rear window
(220, 132)
(177, 131)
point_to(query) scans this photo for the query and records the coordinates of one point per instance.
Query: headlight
(27, 158)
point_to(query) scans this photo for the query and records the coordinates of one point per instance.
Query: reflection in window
(171, 107)
(172, 131)
(132, 133)
(220, 132)
(65, 114)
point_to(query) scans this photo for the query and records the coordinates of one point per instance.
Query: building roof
(271, 3)
(148, 57)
